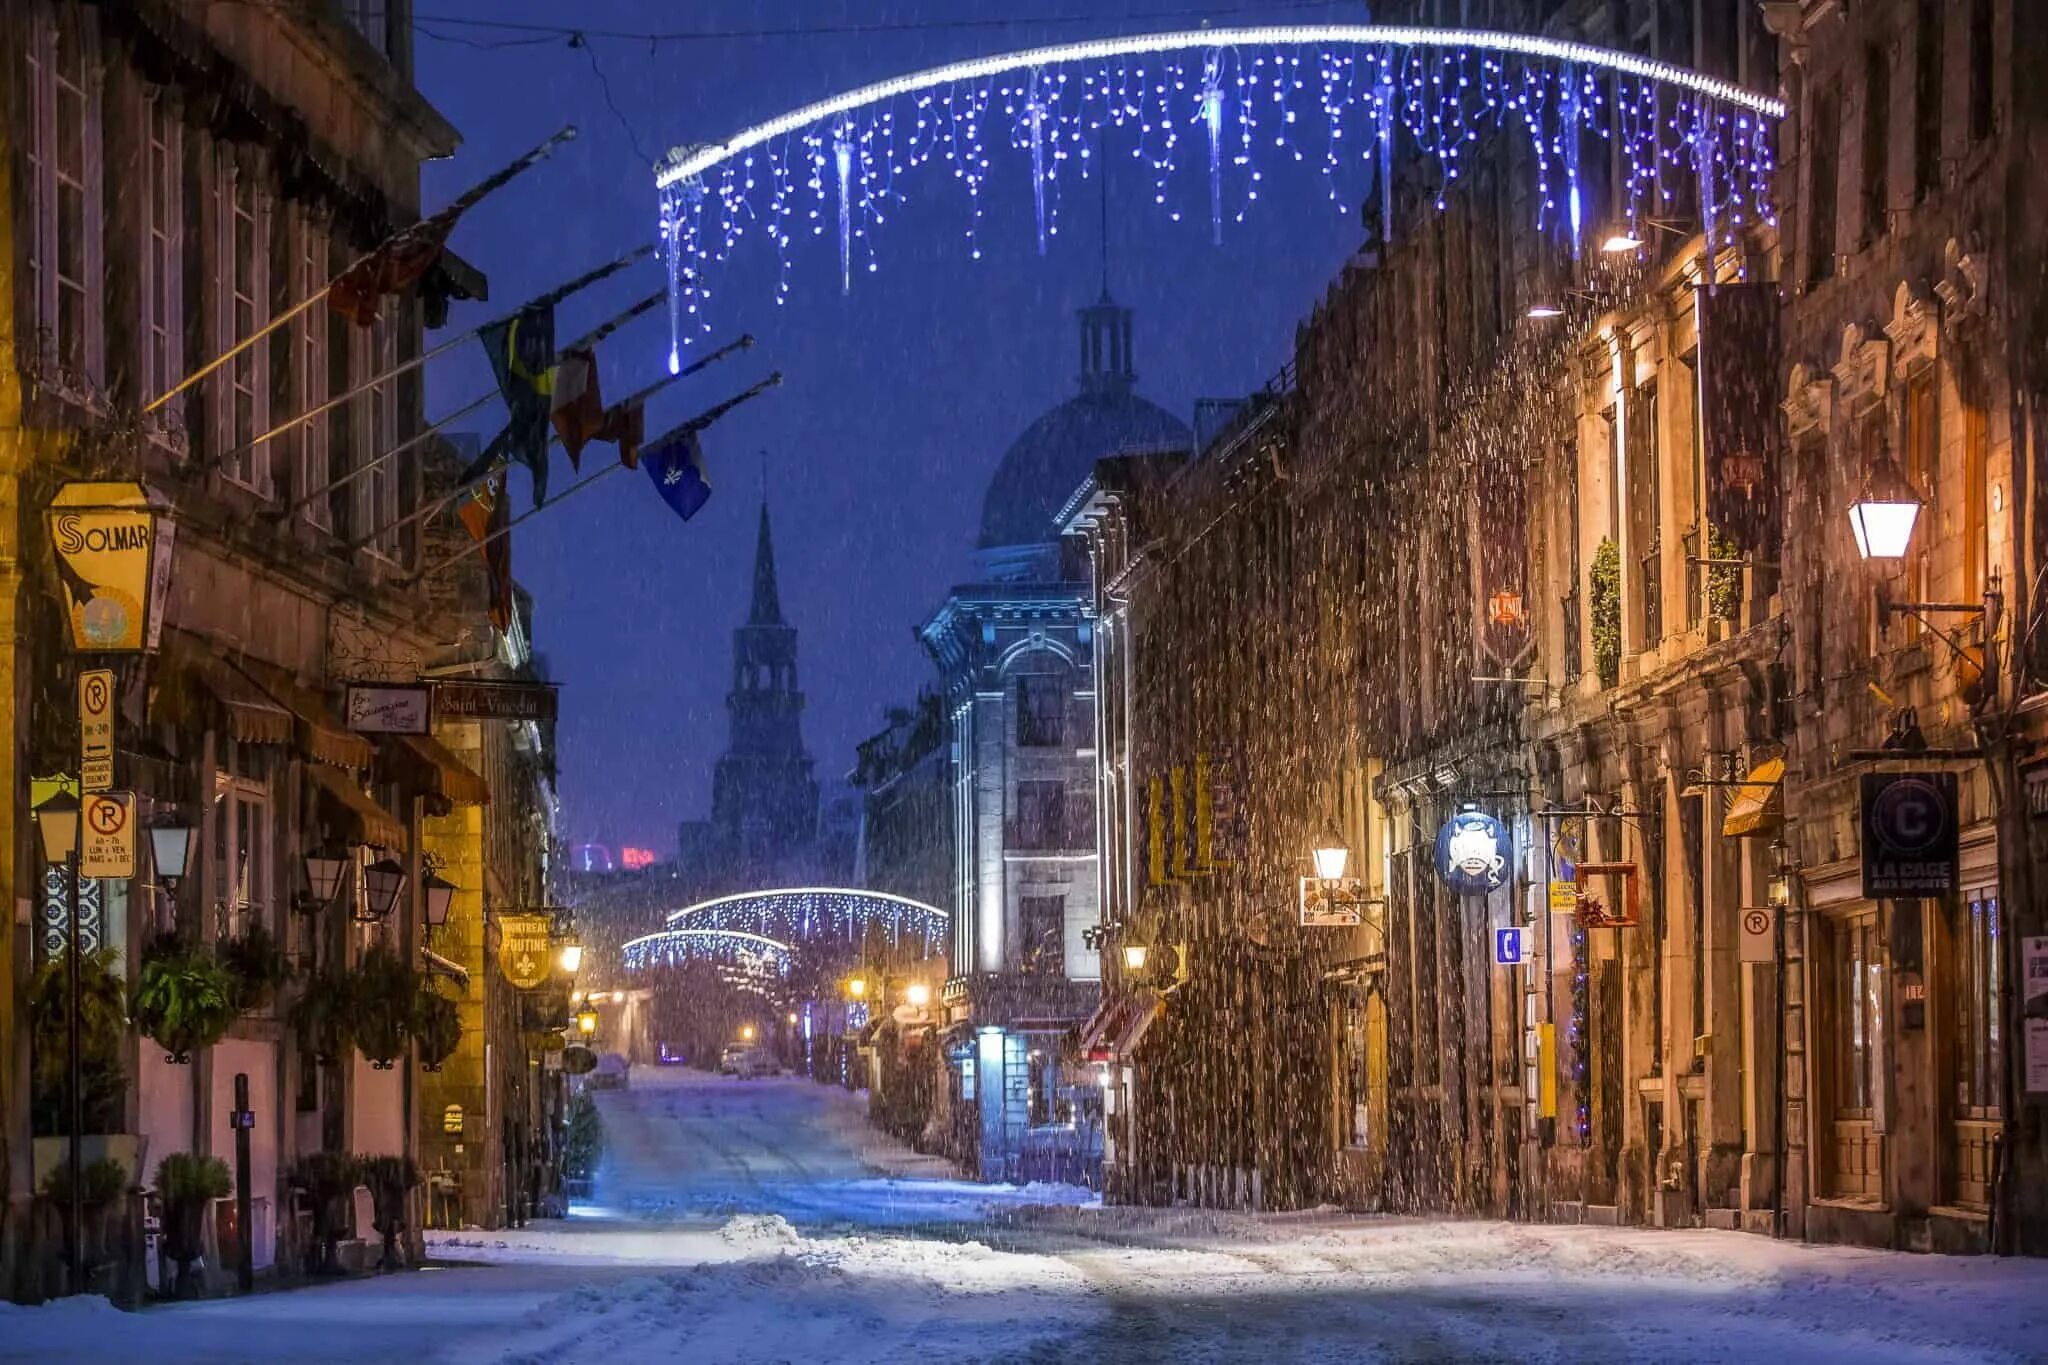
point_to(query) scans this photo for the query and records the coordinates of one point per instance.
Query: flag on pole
(578, 411)
(391, 269)
(522, 354)
(485, 511)
(676, 464)
(625, 426)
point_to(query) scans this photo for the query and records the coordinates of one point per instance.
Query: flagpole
(590, 338)
(423, 513)
(454, 210)
(547, 300)
(697, 423)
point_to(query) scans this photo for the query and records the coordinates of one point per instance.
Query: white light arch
(1441, 87)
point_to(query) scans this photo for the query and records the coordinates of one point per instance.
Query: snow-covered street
(761, 1221)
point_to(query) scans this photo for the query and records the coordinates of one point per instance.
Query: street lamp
(1627, 237)
(792, 1018)
(1135, 955)
(440, 895)
(586, 1021)
(324, 869)
(746, 1033)
(917, 994)
(1331, 854)
(383, 884)
(60, 822)
(857, 987)
(570, 957)
(1884, 516)
(170, 848)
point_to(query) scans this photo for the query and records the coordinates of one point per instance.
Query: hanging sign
(107, 845)
(113, 551)
(1474, 853)
(1499, 495)
(380, 710)
(1910, 837)
(1331, 902)
(525, 950)
(494, 701)
(96, 729)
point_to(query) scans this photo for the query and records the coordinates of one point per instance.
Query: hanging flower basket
(382, 992)
(257, 965)
(323, 1015)
(184, 998)
(436, 1027)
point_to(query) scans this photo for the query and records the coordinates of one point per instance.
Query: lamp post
(60, 822)
(1883, 516)
(440, 895)
(170, 851)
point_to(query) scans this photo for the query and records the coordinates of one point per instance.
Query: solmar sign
(113, 548)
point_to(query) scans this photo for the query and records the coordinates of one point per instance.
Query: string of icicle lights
(818, 914)
(754, 953)
(1335, 99)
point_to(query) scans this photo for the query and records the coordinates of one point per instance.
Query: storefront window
(1979, 1050)
(1859, 1024)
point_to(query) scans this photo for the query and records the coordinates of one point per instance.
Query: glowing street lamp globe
(1331, 854)
(1884, 517)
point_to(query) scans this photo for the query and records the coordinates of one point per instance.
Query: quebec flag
(676, 464)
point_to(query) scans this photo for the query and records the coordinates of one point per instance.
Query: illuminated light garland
(756, 953)
(815, 914)
(1245, 87)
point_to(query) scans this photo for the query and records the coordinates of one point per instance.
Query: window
(1041, 710)
(1697, 538)
(1922, 447)
(241, 851)
(1981, 73)
(1927, 87)
(1979, 1050)
(376, 428)
(64, 197)
(309, 367)
(1823, 157)
(369, 18)
(1859, 1014)
(163, 246)
(1041, 935)
(1877, 140)
(1646, 520)
(1041, 815)
(1976, 493)
(1047, 1103)
(241, 306)
(1573, 656)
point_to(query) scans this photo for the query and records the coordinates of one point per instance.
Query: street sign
(96, 729)
(1759, 934)
(1564, 898)
(108, 846)
(388, 710)
(1509, 947)
(494, 701)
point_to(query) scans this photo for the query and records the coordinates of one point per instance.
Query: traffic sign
(1509, 947)
(1759, 934)
(96, 729)
(108, 846)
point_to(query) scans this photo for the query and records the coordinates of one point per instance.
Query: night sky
(899, 400)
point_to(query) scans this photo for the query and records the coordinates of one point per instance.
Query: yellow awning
(196, 666)
(363, 819)
(1759, 803)
(322, 736)
(426, 762)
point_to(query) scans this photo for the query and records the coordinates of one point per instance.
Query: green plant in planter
(258, 966)
(104, 1181)
(583, 1143)
(1606, 612)
(390, 1179)
(324, 1014)
(328, 1179)
(184, 998)
(188, 1183)
(103, 1028)
(382, 992)
(436, 1026)
(1724, 581)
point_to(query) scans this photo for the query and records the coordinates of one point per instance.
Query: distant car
(610, 1073)
(747, 1062)
(669, 1056)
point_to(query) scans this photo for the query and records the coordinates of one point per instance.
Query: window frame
(1031, 960)
(160, 313)
(312, 359)
(249, 899)
(238, 193)
(374, 350)
(79, 377)
(1036, 727)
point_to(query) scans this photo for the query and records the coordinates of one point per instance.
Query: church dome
(1057, 453)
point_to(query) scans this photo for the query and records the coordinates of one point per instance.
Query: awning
(437, 965)
(322, 736)
(363, 819)
(252, 716)
(427, 762)
(1759, 803)
(1119, 1024)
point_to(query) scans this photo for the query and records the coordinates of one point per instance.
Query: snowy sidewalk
(760, 1222)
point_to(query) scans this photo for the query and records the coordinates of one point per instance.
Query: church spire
(767, 608)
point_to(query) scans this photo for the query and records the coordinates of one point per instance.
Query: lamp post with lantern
(60, 822)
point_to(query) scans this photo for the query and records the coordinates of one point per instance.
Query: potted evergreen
(184, 998)
(328, 1179)
(382, 1001)
(103, 1025)
(256, 965)
(188, 1183)
(436, 1026)
(106, 1180)
(391, 1179)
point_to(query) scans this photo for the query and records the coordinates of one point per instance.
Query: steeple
(767, 608)
(1106, 325)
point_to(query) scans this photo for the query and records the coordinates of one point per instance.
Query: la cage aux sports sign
(113, 548)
